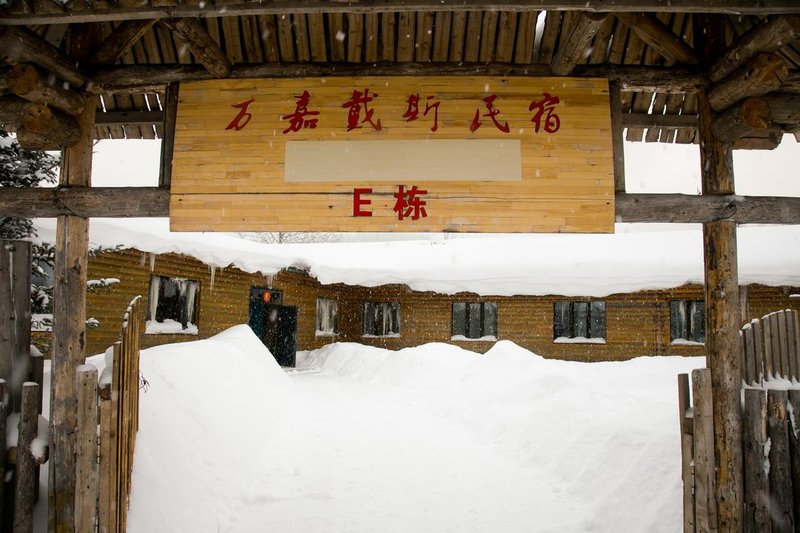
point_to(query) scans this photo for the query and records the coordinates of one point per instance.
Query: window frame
(465, 334)
(688, 309)
(586, 314)
(393, 307)
(191, 327)
(334, 320)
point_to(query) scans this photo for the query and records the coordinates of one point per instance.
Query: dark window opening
(173, 305)
(327, 311)
(474, 320)
(687, 321)
(579, 321)
(382, 319)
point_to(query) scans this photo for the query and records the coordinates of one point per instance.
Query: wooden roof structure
(656, 50)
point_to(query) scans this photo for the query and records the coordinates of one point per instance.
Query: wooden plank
(336, 37)
(441, 39)
(301, 38)
(506, 37)
(86, 449)
(371, 35)
(20, 252)
(458, 36)
(762, 371)
(769, 360)
(687, 455)
(424, 44)
(106, 446)
(355, 37)
(269, 34)
(25, 483)
(116, 438)
(601, 44)
(783, 343)
(286, 38)
(775, 340)
(750, 367)
(659, 103)
(793, 408)
(780, 481)
(705, 501)
(251, 36)
(170, 104)
(5, 498)
(316, 32)
(756, 501)
(794, 342)
(203, 47)
(6, 314)
(472, 45)
(388, 36)
(526, 36)
(488, 37)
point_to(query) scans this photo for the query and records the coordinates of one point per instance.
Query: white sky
(649, 167)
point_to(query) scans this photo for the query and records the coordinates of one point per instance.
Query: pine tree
(22, 168)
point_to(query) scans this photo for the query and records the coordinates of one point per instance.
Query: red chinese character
(237, 123)
(298, 119)
(412, 111)
(546, 104)
(354, 114)
(409, 203)
(492, 114)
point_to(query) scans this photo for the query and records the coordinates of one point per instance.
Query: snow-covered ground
(426, 439)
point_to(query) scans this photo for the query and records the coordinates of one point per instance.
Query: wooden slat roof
(323, 38)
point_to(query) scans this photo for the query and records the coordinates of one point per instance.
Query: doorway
(274, 323)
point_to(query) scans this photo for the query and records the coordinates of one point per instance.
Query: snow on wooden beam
(659, 37)
(201, 45)
(574, 48)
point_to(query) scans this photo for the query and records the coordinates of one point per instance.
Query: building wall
(636, 324)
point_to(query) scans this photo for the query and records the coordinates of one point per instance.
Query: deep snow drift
(426, 439)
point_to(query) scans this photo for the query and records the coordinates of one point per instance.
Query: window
(326, 317)
(474, 321)
(687, 321)
(173, 306)
(382, 319)
(579, 322)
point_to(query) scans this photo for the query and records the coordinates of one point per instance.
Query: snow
(579, 340)
(169, 326)
(464, 338)
(502, 265)
(432, 438)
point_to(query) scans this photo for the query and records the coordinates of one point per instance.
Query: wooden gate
(770, 356)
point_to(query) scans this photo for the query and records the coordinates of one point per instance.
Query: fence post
(3, 452)
(86, 450)
(780, 482)
(21, 287)
(26, 462)
(794, 449)
(687, 453)
(754, 434)
(704, 472)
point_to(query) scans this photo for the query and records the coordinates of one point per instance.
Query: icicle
(152, 262)
(213, 274)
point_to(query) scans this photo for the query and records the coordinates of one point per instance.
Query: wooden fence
(771, 426)
(105, 485)
(23, 432)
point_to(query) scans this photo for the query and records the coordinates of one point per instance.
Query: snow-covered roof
(566, 264)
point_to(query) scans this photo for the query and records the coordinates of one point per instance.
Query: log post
(86, 493)
(69, 314)
(25, 485)
(722, 325)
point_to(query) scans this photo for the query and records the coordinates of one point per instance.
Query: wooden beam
(290, 7)
(741, 120)
(128, 118)
(722, 324)
(646, 120)
(168, 141)
(573, 48)
(783, 108)
(767, 138)
(617, 140)
(21, 44)
(69, 313)
(47, 129)
(27, 81)
(124, 202)
(660, 37)
(154, 78)
(205, 49)
(770, 36)
(120, 41)
(763, 74)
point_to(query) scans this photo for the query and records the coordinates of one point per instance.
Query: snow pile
(433, 438)
(205, 411)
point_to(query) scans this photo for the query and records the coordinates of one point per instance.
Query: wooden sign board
(394, 154)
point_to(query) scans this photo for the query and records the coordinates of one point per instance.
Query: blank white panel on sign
(420, 160)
